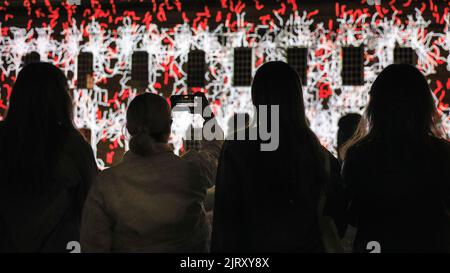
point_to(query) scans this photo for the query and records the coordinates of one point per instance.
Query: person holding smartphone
(153, 200)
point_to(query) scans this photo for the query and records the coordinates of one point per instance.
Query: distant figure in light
(347, 127)
(396, 169)
(46, 166)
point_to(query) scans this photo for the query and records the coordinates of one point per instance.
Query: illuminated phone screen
(187, 118)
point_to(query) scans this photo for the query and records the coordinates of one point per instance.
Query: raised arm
(206, 159)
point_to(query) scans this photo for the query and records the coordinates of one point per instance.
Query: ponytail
(142, 143)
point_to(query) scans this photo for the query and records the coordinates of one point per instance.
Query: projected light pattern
(112, 38)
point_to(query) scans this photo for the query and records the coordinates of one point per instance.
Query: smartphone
(183, 109)
(183, 103)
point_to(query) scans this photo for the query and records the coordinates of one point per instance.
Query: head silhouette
(148, 121)
(40, 95)
(277, 83)
(38, 117)
(401, 105)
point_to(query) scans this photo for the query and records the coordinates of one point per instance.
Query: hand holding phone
(198, 106)
(195, 103)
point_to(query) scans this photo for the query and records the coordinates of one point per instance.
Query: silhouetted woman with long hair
(269, 201)
(46, 166)
(397, 170)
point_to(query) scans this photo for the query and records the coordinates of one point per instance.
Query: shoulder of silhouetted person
(443, 144)
(441, 151)
(77, 144)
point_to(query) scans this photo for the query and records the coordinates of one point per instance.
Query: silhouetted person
(347, 127)
(239, 121)
(270, 201)
(338, 202)
(46, 166)
(152, 201)
(397, 171)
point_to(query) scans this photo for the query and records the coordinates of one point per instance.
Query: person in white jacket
(153, 200)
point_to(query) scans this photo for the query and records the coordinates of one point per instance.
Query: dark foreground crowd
(390, 185)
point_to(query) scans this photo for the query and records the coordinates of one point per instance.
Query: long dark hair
(37, 120)
(401, 110)
(148, 121)
(277, 83)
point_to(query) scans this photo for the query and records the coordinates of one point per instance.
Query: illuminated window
(196, 69)
(297, 57)
(139, 69)
(85, 69)
(353, 65)
(405, 55)
(32, 57)
(242, 67)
